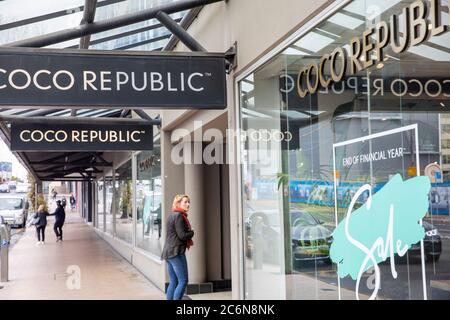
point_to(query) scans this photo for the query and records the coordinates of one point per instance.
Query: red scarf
(189, 243)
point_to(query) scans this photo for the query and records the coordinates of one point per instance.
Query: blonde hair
(41, 207)
(177, 200)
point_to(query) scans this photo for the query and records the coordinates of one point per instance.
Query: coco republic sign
(420, 20)
(81, 137)
(44, 77)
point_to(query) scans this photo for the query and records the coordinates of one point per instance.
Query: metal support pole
(94, 203)
(35, 197)
(84, 120)
(179, 32)
(185, 23)
(144, 115)
(108, 24)
(123, 113)
(88, 17)
(4, 251)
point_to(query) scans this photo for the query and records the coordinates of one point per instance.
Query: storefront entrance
(320, 106)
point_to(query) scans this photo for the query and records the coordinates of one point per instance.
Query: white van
(14, 209)
(4, 188)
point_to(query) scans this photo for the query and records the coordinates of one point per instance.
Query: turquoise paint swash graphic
(387, 224)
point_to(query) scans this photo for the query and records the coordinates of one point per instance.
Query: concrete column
(89, 201)
(226, 232)
(193, 183)
(173, 182)
(212, 219)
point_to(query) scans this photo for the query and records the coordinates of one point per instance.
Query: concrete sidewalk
(82, 267)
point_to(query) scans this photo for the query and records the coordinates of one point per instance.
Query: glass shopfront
(337, 132)
(109, 206)
(118, 202)
(149, 200)
(123, 208)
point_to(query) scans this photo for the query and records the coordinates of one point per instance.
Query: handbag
(34, 221)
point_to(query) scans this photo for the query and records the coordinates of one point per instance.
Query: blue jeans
(178, 277)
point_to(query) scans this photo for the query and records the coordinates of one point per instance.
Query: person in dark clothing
(60, 217)
(72, 201)
(178, 239)
(64, 202)
(41, 223)
(54, 194)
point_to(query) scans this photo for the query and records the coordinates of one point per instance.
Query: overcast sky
(5, 155)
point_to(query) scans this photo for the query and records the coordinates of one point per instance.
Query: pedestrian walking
(60, 217)
(40, 222)
(54, 194)
(72, 201)
(178, 239)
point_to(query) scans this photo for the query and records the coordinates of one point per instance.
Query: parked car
(12, 185)
(22, 188)
(14, 210)
(4, 188)
(311, 240)
(432, 244)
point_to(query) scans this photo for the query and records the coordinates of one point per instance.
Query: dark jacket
(42, 215)
(60, 215)
(176, 237)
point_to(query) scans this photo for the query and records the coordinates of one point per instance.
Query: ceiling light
(380, 65)
(442, 104)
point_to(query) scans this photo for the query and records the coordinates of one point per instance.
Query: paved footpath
(82, 267)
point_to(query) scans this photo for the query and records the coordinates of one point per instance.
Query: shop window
(289, 209)
(149, 200)
(123, 212)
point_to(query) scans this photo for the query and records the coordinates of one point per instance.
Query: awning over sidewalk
(125, 25)
(48, 166)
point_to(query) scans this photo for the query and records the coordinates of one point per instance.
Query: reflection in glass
(288, 185)
(124, 218)
(109, 206)
(149, 200)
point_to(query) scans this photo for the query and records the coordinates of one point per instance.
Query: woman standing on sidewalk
(41, 216)
(178, 239)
